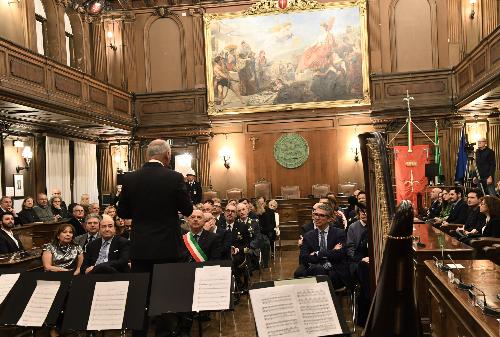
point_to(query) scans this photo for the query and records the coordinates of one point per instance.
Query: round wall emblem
(291, 150)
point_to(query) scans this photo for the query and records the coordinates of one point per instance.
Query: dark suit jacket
(240, 237)
(118, 255)
(306, 228)
(7, 245)
(492, 228)
(458, 214)
(27, 216)
(311, 244)
(79, 226)
(151, 197)
(209, 243)
(195, 192)
(485, 162)
(226, 238)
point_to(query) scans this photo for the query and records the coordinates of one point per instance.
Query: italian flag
(193, 247)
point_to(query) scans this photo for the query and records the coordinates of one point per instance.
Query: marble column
(105, 174)
(99, 52)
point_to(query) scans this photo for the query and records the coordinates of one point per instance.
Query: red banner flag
(409, 170)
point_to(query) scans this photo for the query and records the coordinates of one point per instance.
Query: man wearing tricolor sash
(199, 244)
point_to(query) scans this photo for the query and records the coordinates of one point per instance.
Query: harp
(379, 195)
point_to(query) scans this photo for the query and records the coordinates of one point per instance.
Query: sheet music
(455, 266)
(295, 311)
(7, 281)
(39, 305)
(212, 288)
(108, 305)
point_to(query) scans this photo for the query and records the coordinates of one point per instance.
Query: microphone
(487, 310)
(461, 285)
(440, 264)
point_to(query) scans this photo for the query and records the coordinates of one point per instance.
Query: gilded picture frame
(307, 55)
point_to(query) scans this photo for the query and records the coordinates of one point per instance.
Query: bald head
(160, 150)
(107, 227)
(435, 193)
(481, 143)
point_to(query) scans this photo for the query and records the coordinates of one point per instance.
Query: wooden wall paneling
(494, 142)
(99, 69)
(39, 166)
(203, 161)
(130, 60)
(320, 167)
(490, 15)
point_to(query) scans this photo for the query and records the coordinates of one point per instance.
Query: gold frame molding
(270, 7)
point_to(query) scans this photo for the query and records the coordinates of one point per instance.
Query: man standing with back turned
(151, 197)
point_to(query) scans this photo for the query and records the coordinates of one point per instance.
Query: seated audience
(85, 202)
(341, 220)
(218, 212)
(9, 242)
(63, 253)
(323, 250)
(225, 236)
(435, 205)
(6, 207)
(267, 223)
(458, 213)
(127, 227)
(490, 207)
(27, 214)
(207, 206)
(109, 253)
(199, 245)
(57, 193)
(251, 213)
(256, 241)
(475, 219)
(111, 211)
(42, 209)
(360, 199)
(94, 208)
(78, 219)
(357, 252)
(240, 243)
(233, 202)
(445, 205)
(120, 226)
(92, 227)
(56, 208)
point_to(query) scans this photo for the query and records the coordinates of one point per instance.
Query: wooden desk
(451, 311)
(15, 263)
(431, 238)
(37, 234)
(293, 214)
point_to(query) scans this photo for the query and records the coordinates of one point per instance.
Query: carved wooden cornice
(271, 6)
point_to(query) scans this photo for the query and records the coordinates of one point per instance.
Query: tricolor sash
(193, 247)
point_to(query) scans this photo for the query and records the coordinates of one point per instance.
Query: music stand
(338, 307)
(172, 287)
(77, 312)
(20, 295)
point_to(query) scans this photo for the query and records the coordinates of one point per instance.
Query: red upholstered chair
(320, 190)
(290, 192)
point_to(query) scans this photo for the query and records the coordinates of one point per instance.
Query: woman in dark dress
(490, 206)
(27, 214)
(57, 210)
(267, 224)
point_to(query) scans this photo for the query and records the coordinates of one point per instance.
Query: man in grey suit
(92, 228)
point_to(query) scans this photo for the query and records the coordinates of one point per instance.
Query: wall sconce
(355, 148)
(27, 155)
(110, 34)
(472, 12)
(18, 143)
(225, 155)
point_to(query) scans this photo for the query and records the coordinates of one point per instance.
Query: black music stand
(77, 312)
(20, 295)
(172, 287)
(338, 307)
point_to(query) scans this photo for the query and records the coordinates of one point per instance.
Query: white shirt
(155, 161)
(9, 233)
(230, 226)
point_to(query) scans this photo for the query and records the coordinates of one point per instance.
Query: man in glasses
(78, 219)
(323, 249)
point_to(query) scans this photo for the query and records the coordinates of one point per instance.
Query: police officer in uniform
(194, 188)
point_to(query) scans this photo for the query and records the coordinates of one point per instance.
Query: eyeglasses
(78, 210)
(320, 215)
(230, 211)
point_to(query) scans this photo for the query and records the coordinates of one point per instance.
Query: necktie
(229, 228)
(197, 237)
(103, 255)
(322, 241)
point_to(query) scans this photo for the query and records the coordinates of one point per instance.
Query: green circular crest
(291, 150)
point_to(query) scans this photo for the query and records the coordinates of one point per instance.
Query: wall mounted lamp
(354, 146)
(225, 155)
(27, 154)
(110, 34)
(472, 12)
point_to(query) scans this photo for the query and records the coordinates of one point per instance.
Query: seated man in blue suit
(323, 250)
(109, 253)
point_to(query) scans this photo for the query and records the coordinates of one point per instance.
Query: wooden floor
(239, 322)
